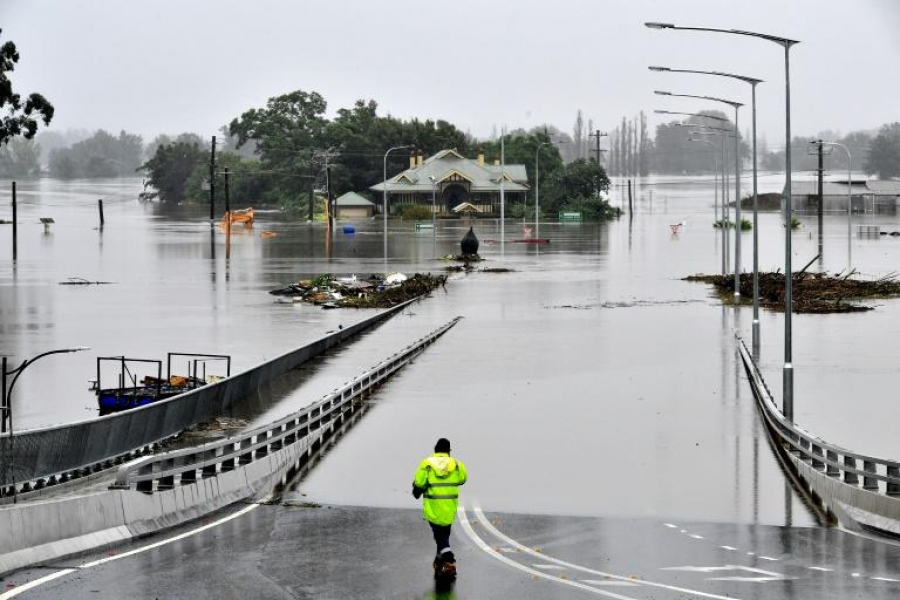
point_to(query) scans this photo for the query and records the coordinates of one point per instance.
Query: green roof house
(353, 206)
(454, 180)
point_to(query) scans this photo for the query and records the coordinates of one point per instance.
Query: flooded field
(592, 371)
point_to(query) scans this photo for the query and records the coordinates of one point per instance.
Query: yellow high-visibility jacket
(440, 476)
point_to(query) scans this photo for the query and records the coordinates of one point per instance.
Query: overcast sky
(193, 65)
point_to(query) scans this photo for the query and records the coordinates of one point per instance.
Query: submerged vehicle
(130, 392)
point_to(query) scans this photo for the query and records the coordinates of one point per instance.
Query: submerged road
(290, 551)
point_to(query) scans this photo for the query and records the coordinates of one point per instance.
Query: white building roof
(449, 163)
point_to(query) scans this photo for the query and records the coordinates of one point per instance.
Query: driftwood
(811, 292)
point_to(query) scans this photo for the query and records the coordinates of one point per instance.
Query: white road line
(670, 526)
(886, 579)
(467, 527)
(729, 548)
(697, 537)
(482, 519)
(768, 558)
(549, 567)
(612, 583)
(824, 569)
(48, 578)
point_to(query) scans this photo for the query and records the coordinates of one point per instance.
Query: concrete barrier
(36, 458)
(159, 492)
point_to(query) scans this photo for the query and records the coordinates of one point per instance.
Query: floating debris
(497, 270)
(82, 281)
(817, 293)
(331, 292)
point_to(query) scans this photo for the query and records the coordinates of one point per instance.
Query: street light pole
(433, 209)
(849, 193)
(6, 390)
(786, 43)
(737, 182)
(737, 250)
(384, 202)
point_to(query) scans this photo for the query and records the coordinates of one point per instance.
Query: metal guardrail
(164, 471)
(36, 458)
(877, 475)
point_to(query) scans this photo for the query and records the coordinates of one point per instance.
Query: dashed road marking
(886, 579)
(729, 548)
(697, 537)
(757, 575)
(611, 582)
(670, 526)
(823, 569)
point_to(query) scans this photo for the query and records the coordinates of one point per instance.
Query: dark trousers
(441, 537)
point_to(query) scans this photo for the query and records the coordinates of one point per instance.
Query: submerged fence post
(100, 207)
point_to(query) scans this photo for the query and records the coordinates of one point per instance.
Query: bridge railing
(851, 468)
(35, 458)
(164, 471)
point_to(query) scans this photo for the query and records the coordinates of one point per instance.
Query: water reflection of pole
(227, 217)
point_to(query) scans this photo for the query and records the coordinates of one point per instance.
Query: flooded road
(591, 372)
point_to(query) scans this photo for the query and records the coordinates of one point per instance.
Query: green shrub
(415, 212)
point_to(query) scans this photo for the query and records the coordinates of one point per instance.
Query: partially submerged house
(451, 179)
(354, 206)
(866, 195)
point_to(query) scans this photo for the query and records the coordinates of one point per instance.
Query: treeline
(874, 152)
(101, 155)
(295, 147)
(630, 147)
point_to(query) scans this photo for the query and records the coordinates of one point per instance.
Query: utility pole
(311, 208)
(598, 135)
(821, 153)
(212, 181)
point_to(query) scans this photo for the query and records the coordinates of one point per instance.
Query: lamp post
(753, 83)
(722, 134)
(6, 390)
(786, 43)
(849, 193)
(737, 183)
(433, 209)
(384, 202)
(714, 152)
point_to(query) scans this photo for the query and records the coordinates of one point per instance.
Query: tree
(884, 155)
(21, 118)
(578, 134)
(101, 155)
(20, 158)
(578, 186)
(169, 169)
(521, 149)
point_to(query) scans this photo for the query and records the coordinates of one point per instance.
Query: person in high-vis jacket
(437, 481)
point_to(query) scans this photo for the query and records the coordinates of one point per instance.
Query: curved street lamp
(384, 201)
(737, 182)
(786, 43)
(6, 390)
(753, 83)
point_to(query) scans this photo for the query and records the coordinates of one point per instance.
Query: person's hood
(441, 463)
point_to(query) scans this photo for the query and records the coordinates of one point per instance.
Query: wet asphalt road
(339, 552)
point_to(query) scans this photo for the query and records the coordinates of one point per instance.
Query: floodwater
(589, 381)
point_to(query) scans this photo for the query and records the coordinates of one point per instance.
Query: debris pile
(375, 291)
(811, 293)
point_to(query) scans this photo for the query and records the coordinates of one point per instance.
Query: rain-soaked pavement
(595, 397)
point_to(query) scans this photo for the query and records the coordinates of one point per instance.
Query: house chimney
(412, 159)
(420, 159)
(481, 157)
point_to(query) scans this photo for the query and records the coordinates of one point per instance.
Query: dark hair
(443, 445)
